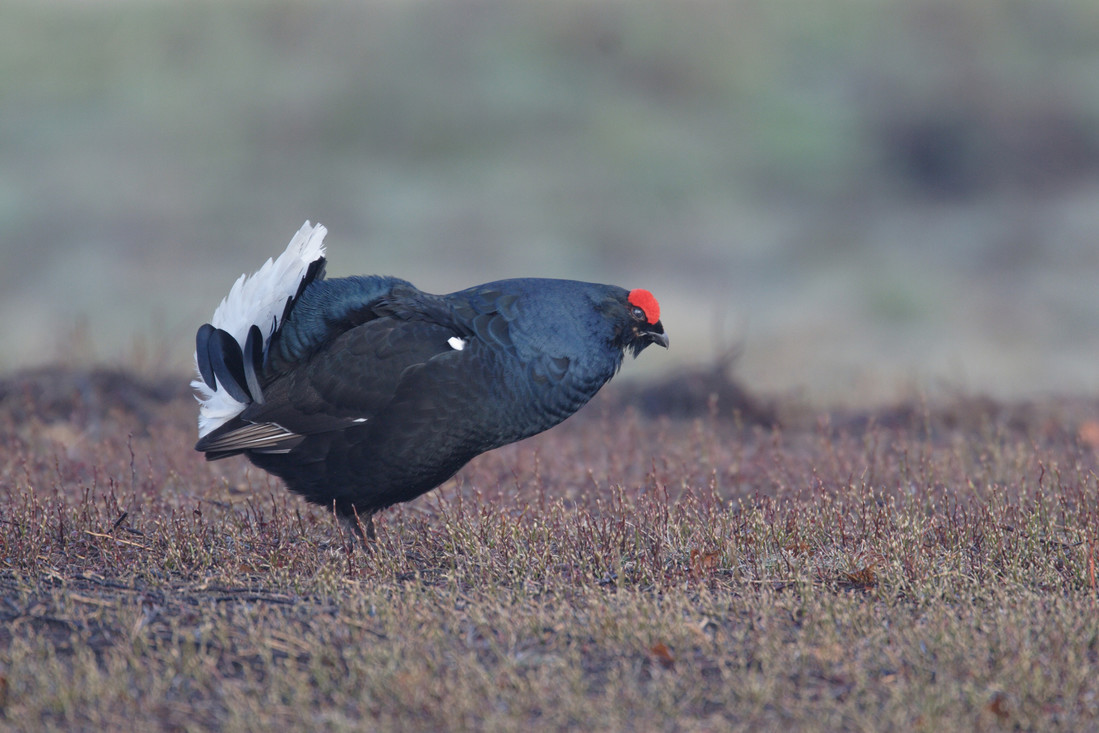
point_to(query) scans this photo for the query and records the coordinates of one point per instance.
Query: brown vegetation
(918, 567)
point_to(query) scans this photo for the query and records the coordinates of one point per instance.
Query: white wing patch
(258, 299)
(456, 343)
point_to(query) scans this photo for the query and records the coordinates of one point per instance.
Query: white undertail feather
(258, 299)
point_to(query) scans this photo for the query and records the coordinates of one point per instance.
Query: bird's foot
(359, 530)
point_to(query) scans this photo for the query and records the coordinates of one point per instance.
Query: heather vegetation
(924, 566)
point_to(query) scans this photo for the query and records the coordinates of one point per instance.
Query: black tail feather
(221, 360)
(314, 272)
(227, 362)
(202, 354)
(253, 363)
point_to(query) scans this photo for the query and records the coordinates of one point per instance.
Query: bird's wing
(479, 397)
(324, 311)
(342, 385)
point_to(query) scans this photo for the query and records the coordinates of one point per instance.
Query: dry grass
(912, 568)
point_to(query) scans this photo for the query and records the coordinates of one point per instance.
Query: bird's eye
(637, 313)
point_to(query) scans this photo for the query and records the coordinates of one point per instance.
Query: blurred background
(865, 197)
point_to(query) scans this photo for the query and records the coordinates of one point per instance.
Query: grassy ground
(914, 567)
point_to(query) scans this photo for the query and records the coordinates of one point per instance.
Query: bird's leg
(359, 531)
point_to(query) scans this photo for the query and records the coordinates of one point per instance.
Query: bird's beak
(656, 335)
(642, 336)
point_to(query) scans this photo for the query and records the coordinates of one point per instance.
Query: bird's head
(643, 319)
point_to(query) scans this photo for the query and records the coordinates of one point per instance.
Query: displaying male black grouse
(362, 392)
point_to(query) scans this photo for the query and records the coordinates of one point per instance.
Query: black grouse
(363, 392)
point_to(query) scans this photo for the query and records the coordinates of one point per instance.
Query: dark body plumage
(371, 392)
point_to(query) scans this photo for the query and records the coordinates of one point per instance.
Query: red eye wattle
(644, 300)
